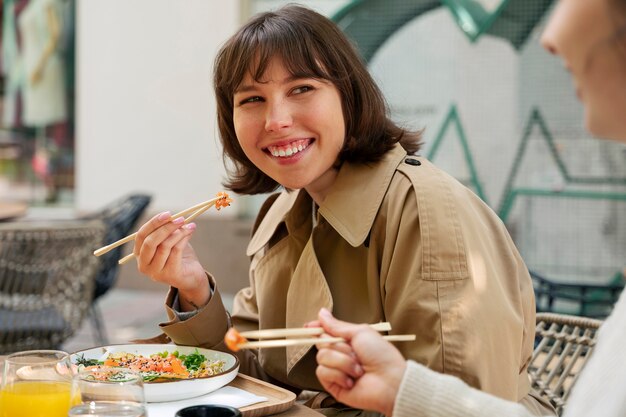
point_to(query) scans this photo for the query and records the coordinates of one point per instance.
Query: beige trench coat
(398, 241)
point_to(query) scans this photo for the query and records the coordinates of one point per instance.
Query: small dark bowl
(207, 410)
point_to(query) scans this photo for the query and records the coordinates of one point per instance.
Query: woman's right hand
(164, 254)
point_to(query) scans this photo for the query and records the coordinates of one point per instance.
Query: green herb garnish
(193, 361)
(80, 360)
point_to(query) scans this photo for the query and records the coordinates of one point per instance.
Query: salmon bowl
(170, 372)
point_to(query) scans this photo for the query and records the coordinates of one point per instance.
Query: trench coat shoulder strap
(271, 214)
(444, 252)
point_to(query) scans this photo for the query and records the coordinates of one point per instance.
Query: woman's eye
(302, 89)
(250, 100)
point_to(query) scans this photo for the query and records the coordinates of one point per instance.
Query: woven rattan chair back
(564, 344)
(120, 217)
(47, 272)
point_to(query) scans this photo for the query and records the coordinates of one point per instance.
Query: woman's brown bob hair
(310, 46)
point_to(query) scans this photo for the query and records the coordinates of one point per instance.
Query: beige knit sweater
(600, 390)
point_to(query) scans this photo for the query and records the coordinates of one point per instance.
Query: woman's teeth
(288, 150)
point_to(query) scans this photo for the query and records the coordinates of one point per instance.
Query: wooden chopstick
(189, 219)
(314, 340)
(108, 248)
(304, 331)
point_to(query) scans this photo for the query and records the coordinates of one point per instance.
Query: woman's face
(292, 129)
(580, 32)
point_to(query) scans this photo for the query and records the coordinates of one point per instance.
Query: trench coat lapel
(308, 292)
(272, 219)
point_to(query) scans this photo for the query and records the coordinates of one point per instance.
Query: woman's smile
(288, 149)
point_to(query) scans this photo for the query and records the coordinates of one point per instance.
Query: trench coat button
(413, 161)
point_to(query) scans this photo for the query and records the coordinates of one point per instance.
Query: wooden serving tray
(278, 399)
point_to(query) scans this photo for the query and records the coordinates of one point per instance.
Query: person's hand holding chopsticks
(163, 252)
(221, 200)
(356, 364)
(363, 372)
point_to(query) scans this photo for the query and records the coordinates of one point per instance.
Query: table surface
(297, 410)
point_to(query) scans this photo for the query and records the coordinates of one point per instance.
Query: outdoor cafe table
(296, 410)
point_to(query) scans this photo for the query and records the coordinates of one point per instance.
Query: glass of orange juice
(36, 383)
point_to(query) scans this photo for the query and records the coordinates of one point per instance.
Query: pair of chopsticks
(298, 333)
(221, 200)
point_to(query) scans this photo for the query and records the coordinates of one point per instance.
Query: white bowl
(174, 390)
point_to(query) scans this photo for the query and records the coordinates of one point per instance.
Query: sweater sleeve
(424, 392)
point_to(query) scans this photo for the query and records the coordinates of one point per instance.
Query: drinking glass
(104, 391)
(36, 383)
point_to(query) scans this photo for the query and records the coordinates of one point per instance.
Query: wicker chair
(564, 344)
(120, 217)
(47, 272)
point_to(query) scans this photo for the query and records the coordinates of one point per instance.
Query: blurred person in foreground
(368, 372)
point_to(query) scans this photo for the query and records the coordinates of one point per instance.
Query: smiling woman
(362, 225)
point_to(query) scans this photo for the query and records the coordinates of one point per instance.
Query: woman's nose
(554, 29)
(278, 117)
(547, 42)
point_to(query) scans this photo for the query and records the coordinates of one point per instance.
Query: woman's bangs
(304, 63)
(298, 61)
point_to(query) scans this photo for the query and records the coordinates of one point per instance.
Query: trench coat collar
(351, 206)
(361, 186)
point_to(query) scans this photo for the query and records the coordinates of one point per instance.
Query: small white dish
(172, 390)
